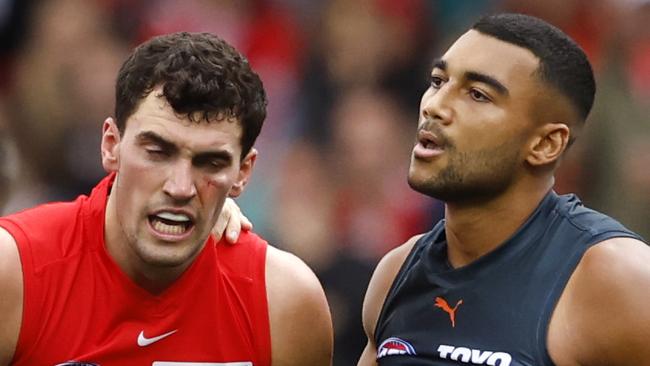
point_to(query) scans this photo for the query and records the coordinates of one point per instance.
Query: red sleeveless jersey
(79, 307)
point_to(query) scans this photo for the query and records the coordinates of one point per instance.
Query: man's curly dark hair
(202, 77)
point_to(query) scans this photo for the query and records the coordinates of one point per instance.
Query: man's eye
(478, 95)
(210, 163)
(217, 164)
(156, 153)
(436, 82)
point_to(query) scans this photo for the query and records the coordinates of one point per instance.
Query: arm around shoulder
(608, 303)
(380, 283)
(11, 300)
(300, 320)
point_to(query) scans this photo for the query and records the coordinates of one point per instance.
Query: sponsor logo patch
(394, 346)
(166, 363)
(474, 356)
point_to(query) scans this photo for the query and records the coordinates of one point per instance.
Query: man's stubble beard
(471, 177)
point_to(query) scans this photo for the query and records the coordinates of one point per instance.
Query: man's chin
(168, 254)
(445, 193)
(423, 186)
(165, 260)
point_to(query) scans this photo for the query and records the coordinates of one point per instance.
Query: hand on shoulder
(231, 222)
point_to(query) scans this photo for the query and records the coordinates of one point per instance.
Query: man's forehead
(475, 52)
(155, 117)
(485, 53)
(156, 107)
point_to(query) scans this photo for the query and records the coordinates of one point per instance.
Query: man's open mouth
(429, 140)
(169, 223)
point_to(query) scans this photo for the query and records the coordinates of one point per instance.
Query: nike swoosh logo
(144, 341)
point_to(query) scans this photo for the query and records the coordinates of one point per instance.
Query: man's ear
(110, 145)
(551, 140)
(245, 171)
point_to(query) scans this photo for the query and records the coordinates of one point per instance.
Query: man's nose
(438, 105)
(179, 184)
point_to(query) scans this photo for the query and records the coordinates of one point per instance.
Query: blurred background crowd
(344, 79)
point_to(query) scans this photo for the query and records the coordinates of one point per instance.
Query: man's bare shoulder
(299, 314)
(291, 275)
(605, 306)
(11, 301)
(381, 281)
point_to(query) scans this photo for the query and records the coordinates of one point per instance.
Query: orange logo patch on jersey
(442, 304)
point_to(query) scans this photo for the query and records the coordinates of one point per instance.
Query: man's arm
(603, 315)
(300, 320)
(380, 284)
(11, 296)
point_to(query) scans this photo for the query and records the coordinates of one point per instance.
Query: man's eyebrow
(439, 63)
(150, 136)
(489, 80)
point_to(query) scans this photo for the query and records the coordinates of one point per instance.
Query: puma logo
(442, 304)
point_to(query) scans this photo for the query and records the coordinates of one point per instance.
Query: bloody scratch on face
(211, 182)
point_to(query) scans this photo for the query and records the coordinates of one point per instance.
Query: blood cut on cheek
(213, 182)
(210, 182)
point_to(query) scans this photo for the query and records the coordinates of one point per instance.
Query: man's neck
(154, 279)
(473, 230)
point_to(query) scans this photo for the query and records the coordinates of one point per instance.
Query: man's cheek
(218, 182)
